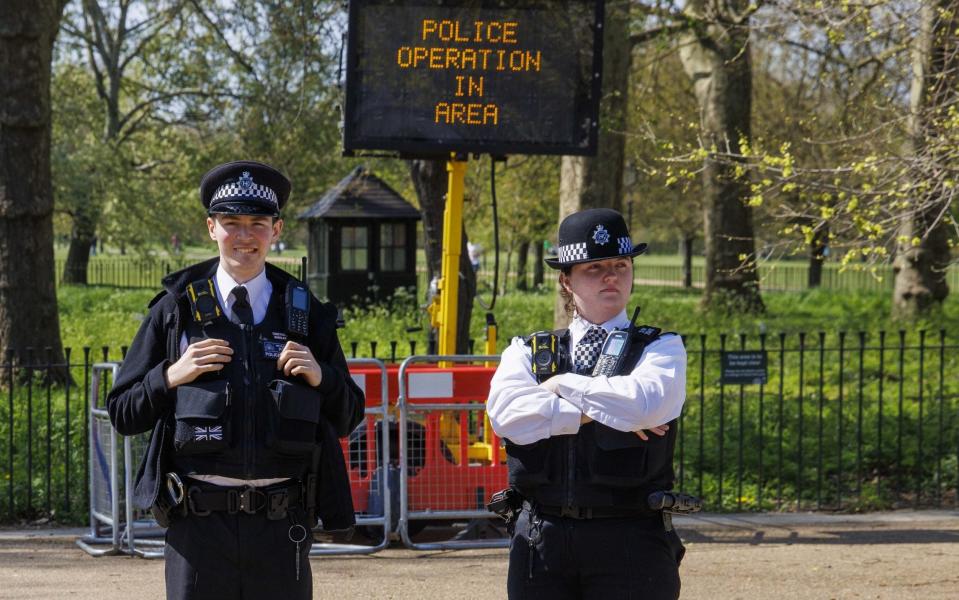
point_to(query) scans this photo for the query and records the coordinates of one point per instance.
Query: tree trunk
(817, 256)
(538, 265)
(597, 182)
(28, 301)
(923, 254)
(521, 266)
(716, 59)
(430, 181)
(688, 261)
(82, 238)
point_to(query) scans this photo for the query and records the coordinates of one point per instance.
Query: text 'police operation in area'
(476, 111)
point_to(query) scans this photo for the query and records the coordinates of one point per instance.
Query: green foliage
(40, 461)
(98, 316)
(527, 194)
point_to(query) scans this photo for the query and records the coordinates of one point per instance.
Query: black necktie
(242, 311)
(588, 349)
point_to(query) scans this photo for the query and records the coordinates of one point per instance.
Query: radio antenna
(632, 322)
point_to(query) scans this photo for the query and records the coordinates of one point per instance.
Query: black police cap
(591, 235)
(244, 187)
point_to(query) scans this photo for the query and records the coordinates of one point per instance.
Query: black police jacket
(233, 423)
(597, 467)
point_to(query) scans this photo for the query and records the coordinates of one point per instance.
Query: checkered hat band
(577, 252)
(255, 190)
(572, 252)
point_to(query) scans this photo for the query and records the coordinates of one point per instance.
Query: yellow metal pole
(452, 248)
(490, 336)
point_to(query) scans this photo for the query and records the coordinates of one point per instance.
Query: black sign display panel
(430, 77)
(744, 367)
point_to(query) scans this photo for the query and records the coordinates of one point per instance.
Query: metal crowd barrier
(369, 470)
(458, 461)
(115, 524)
(116, 527)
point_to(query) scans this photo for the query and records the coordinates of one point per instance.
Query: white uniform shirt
(651, 394)
(259, 289)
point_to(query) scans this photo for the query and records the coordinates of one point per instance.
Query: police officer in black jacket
(245, 403)
(585, 452)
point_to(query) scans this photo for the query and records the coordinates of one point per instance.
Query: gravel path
(882, 555)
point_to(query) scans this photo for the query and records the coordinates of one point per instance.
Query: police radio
(297, 309)
(615, 349)
(611, 357)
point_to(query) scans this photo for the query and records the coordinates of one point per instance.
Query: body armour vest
(597, 467)
(248, 420)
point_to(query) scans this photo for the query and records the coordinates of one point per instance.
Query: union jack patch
(208, 434)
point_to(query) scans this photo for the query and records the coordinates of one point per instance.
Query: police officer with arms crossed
(238, 371)
(585, 452)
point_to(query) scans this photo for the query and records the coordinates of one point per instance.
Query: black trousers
(236, 557)
(559, 558)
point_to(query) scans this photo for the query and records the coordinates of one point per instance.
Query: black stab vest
(597, 467)
(246, 421)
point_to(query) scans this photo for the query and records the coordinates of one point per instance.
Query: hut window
(393, 247)
(354, 254)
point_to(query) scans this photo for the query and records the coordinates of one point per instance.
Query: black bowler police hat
(244, 187)
(593, 234)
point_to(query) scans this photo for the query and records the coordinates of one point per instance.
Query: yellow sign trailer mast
(443, 311)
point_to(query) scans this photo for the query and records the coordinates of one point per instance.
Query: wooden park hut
(362, 241)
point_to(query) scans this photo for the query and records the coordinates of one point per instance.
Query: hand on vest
(198, 358)
(297, 360)
(659, 430)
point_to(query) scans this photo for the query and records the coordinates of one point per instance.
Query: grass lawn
(98, 316)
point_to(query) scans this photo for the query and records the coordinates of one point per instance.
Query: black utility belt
(593, 512)
(202, 499)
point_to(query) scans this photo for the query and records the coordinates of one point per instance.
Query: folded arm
(520, 409)
(652, 394)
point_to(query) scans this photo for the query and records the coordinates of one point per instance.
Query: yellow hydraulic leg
(490, 336)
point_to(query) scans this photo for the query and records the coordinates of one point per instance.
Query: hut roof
(361, 194)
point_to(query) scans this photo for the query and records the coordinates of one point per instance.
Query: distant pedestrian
(475, 253)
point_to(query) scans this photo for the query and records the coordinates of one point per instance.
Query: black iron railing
(843, 421)
(146, 273)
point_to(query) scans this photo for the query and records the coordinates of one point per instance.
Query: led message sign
(427, 77)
